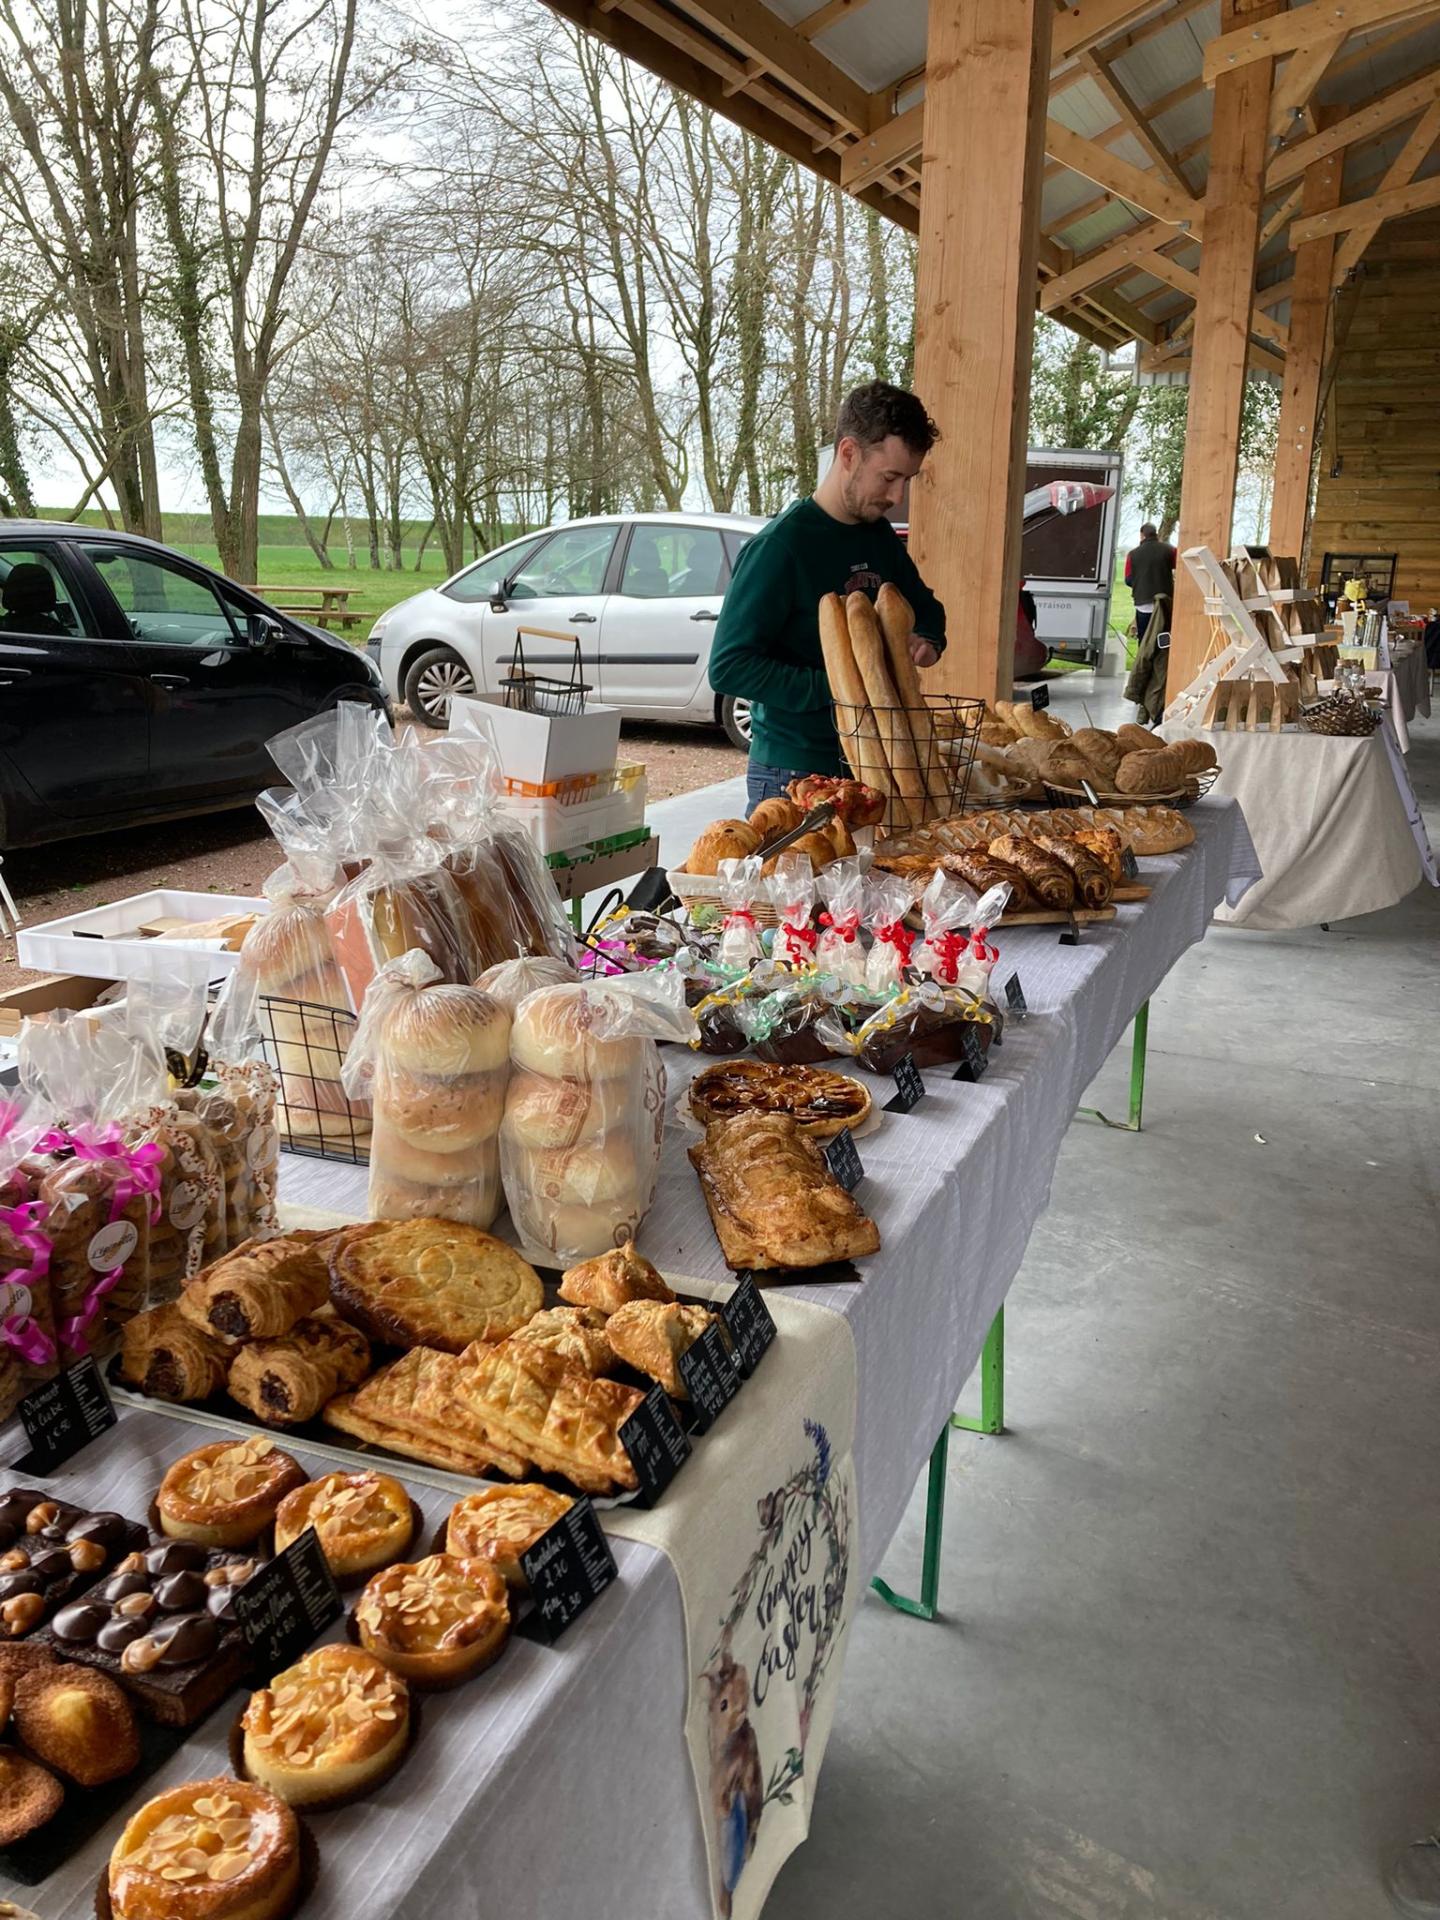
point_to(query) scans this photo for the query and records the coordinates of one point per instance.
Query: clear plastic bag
(515, 980)
(187, 1229)
(740, 888)
(434, 1059)
(792, 894)
(585, 1111)
(887, 900)
(240, 1113)
(839, 951)
(29, 1352)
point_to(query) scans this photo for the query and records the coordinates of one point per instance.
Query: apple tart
(332, 1726)
(435, 1621)
(498, 1524)
(818, 1101)
(363, 1520)
(226, 1494)
(209, 1850)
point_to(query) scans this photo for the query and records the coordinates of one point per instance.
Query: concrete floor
(1189, 1667)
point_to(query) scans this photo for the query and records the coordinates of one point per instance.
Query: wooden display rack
(1255, 673)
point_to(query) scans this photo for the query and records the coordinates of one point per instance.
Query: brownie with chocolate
(164, 1625)
(50, 1550)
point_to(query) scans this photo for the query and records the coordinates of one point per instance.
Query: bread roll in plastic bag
(187, 1228)
(585, 1111)
(515, 980)
(434, 1058)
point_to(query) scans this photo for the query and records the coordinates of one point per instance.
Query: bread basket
(1183, 796)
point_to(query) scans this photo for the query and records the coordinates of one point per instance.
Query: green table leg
(577, 913)
(1137, 1078)
(925, 1607)
(992, 1383)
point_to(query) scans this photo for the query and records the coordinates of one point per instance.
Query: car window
(162, 605)
(571, 561)
(34, 598)
(475, 583)
(673, 563)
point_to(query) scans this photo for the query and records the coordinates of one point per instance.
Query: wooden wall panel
(1384, 429)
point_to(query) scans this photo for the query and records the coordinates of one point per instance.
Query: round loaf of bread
(541, 1113)
(514, 980)
(724, 840)
(446, 1115)
(560, 1032)
(288, 953)
(593, 1175)
(392, 1153)
(476, 1204)
(445, 1030)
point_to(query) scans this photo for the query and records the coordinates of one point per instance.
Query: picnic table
(322, 606)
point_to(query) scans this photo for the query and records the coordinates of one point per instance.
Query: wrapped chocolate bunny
(740, 888)
(792, 894)
(888, 899)
(839, 950)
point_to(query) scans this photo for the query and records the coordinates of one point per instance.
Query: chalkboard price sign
(568, 1568)
(288, 1603)
(657, 1444)
(1129, 865)
(973, 1058)
(749, 1324)
(1039, 697)
(1015, 998)
(711, 1376)
(909, 1087)
(843, 1160)
(64, 1415)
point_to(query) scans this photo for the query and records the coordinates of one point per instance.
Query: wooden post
(1305, 360)
(1238, 140)
(986, 93)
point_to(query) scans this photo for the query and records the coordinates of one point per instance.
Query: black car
(136, 684)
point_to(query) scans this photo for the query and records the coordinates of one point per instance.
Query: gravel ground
(232, 852)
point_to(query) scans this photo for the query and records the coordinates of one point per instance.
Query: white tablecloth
(559, 1784)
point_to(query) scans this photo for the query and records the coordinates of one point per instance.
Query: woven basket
(1184, 796)
(1340, 715)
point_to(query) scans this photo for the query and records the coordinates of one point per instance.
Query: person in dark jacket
(1149, 572)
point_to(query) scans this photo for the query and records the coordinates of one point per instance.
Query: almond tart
(435, 1621)
(226, 1494)
(818, 1101)
(329, 1728)
(364, 1520)
(498, 1524)
(210, 1850)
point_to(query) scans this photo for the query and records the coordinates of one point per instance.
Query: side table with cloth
(560, 1782)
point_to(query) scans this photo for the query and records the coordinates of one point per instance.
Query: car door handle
(585, 619)
(170, 679)
(704, 614)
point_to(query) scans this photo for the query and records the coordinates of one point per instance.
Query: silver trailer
(1068, 559)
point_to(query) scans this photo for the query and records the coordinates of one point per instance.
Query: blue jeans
(765, 783)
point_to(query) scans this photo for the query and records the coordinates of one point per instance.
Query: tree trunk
(297, 505)
(16, 498)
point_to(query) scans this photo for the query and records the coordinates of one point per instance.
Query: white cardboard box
(105, 943)
(540, 747)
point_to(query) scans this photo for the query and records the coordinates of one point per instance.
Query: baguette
(861, 738)
(897, 624)
(895, 738)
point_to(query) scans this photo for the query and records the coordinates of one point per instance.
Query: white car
(641, 592)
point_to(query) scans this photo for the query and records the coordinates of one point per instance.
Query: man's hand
(921, 651)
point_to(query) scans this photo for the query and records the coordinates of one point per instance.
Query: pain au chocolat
(332, 1726)
(209, 1850)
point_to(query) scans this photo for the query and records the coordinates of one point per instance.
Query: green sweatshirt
(767, 642)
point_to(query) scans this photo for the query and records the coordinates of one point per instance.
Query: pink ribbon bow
(23, 1332)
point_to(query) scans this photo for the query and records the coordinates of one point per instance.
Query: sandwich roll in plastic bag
(101, 1194)
(29, 1352)
(434, 1059)
(515, 980)
(839, 950)
(585, 1111)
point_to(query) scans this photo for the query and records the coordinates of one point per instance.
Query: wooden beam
(1281, 216)
(1272, 296)
(762, 35)
(1402, 168)
(1133, 324)
(1141, 188)
(1134, 121)
(989, 64)
(1105, 263)
(1255, 39)
(1295, 88)
(1304, 362)
(1221, 352)
(1389, 204)
(1387, 110)
(826, 16)
(1085, 23)
(890, 145)
(1259, 360)
(1184, 281)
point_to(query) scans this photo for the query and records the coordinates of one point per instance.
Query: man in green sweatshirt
(767, 642)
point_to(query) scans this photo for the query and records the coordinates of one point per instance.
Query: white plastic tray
(104, 943)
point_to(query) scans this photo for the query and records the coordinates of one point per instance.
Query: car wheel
(433, 682)
(735, 719)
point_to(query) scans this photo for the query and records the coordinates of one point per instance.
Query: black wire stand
(306, 1043)
(529, 692)
(923, 755)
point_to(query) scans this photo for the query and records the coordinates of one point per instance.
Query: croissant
(261, 1289)
(289, 1380)
(1091, 876)
(1050, 882)
(981, 871)
(167, 1356)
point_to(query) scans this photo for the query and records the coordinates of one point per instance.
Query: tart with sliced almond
(498, 1524)
(210, 1850)
(363, 1520)
(327, 1729)
(435, 1621)
(226, 1495)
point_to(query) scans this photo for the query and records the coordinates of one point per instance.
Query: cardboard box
(540, 746)
(45, 996)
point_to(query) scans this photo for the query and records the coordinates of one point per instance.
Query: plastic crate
(558, 823)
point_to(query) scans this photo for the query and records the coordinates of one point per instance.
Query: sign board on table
(657, 1444)
(567, 1569)
(64, 1415)
(909, 1087)
(843, 1159)
(288, 1603)
(711, 1375)
(748, 1322)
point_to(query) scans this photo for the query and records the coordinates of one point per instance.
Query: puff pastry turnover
(651, 1335)
(547, 1408)
(773, 1200)
(575, 1333)
(612, 1278)
(432, 1283)
(410, 1407)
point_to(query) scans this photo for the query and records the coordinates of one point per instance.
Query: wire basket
(1340, 715)
(530, 692)
(921, 757)
(1186, 795)
(307, 1044)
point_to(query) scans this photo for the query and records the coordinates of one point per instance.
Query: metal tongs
(817, 818)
